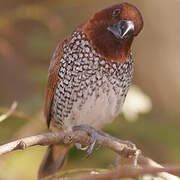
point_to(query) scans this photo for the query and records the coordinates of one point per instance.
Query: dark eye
(116, 12)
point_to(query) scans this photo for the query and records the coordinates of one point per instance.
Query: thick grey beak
(122, 29)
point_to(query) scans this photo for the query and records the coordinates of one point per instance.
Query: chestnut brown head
(111, 30)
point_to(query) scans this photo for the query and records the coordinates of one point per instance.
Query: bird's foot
(92, 132)
(79, 146)
(128, 143)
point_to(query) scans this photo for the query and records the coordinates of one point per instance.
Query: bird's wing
(52, 81)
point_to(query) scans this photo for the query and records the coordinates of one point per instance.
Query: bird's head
(111, 30)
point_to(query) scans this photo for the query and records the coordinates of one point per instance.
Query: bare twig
(126, 173)
(12, 109)
(82, 138)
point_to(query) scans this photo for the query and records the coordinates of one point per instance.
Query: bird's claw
(117, 160)
(90, 130)
(79, 146)
(135, 159)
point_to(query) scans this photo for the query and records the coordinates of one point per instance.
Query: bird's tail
(54, 160)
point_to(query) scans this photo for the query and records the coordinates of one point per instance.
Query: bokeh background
(29, 33)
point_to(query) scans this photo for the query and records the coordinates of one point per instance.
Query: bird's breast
(90, 90)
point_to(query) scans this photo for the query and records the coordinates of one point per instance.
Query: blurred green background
(29, 33)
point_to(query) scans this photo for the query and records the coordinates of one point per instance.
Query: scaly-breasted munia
(89, 76)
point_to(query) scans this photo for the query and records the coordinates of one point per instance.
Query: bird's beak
(122, 29)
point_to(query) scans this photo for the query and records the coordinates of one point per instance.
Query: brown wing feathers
(52, 81)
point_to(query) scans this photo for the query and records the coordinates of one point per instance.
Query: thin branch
(10, 112)
(127, 173)
(82, 138)
(40, 139)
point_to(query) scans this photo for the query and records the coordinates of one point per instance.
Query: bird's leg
(133, 146)
(92, 132)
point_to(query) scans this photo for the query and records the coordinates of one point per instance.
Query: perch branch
(82, 138)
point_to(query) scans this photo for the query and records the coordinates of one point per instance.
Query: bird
(89, 76)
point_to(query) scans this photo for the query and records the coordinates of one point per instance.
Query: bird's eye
(116, 12)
